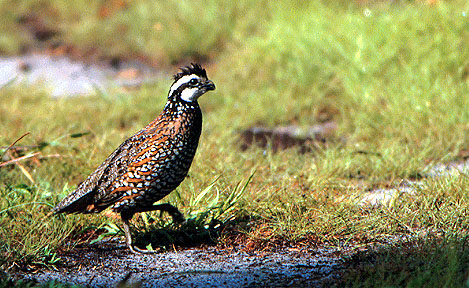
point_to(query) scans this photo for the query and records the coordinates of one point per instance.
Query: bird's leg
(166, 207)
(173, 211)
(128, 237)
(126, 216)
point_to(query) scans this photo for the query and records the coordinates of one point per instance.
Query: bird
(150, 164)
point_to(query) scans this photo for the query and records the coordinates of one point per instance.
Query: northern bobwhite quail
(151, 163)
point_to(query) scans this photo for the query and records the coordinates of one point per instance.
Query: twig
(51, 156)
(21, 147)
(15, 160)
(13, 144)
(24, 170)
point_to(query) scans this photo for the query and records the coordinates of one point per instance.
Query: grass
(142, 29)
(394, 77)
(428, 263)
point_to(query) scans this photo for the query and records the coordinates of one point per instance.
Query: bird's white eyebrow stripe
(184, 79)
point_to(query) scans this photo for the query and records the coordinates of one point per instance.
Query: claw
(137, 250)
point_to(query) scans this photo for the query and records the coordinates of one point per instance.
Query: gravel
(212, 267)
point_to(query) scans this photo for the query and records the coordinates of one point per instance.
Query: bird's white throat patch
(190, 94)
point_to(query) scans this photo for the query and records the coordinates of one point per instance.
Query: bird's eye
(193, 81)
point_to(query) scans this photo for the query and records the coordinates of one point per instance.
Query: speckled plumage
(150, 164)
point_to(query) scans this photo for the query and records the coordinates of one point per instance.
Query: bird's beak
(209, 85)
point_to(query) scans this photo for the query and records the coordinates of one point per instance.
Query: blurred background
(324, 100)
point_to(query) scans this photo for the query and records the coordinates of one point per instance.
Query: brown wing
(83, 198)
(143, 167)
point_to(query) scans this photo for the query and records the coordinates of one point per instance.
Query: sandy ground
(108, 264)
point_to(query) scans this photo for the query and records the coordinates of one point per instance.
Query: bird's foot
(136, 250)
(178, 218)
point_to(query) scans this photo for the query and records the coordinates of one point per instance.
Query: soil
(285, 137)
(112, 265)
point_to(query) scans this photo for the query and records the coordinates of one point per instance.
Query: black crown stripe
(194, 68)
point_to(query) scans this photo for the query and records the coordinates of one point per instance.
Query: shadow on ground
(392, 262)
(107, 264)
(192, 233)
(190, 260)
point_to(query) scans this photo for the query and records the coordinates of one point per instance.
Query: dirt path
(66, 77)
(108, 264)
